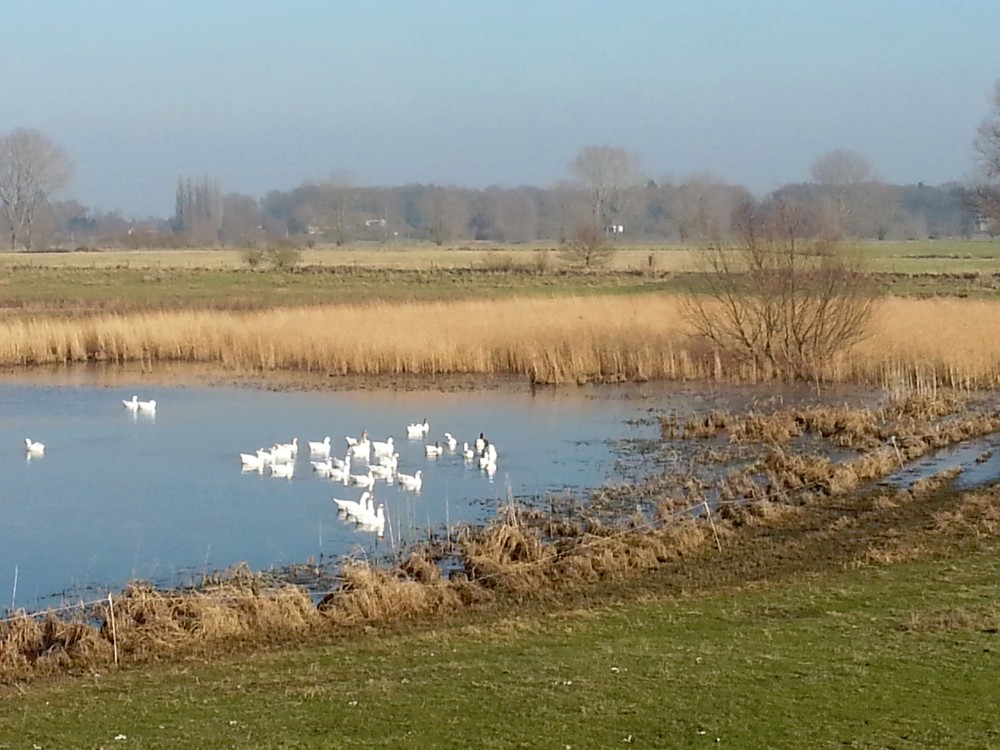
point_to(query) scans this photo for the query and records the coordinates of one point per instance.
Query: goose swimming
(417, 430)
(149, 407)
(321, 448)
(412, 482)
(131, 404)
(433, 451)
(450, 441)
(363, 480)
(34, 448)
(282, 471)
(467, 453)
(383, 449)
(354, 508)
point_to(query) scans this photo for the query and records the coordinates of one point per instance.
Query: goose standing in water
(450, 441)
(467, 453)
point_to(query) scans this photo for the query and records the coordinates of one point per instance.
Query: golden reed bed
(913, 342)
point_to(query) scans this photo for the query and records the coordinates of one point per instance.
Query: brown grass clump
(52, 643)
(506, 556)
(148, 621)
(978, 513)
(372, 594)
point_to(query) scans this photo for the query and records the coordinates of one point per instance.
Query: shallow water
(118, 495)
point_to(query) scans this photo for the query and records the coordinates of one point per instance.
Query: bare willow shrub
(779, 297)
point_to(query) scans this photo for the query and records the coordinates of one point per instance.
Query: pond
(119, 495)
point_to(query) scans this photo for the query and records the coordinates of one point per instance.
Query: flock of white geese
(365, 463)
(373, 461)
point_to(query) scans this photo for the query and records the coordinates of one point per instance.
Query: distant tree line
(606, 201)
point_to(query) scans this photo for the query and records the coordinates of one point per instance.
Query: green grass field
(898, 656)
(34, 283)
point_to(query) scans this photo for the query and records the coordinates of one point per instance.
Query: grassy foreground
(897, 656)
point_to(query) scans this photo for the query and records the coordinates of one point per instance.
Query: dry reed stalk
(922, 344)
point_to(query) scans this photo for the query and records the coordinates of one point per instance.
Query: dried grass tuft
(371, 594)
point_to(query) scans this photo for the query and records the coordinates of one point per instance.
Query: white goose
(363, 480)
(450, 441)
(417, 430)
(254, 461)
(149, 407)
(373, 522)
(323, 468)
(411, 482)
(281, 453)
(132, 404)
(34, 448)
(390, 462)
(360, 449)
(339, 474)
(382, 472)
(383, 449)
(433, 451)
(292, 447)
(354, 508)
(488, 457)
(321, 448)
(282, 471)
(467, 453)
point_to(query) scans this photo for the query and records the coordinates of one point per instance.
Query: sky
(267, 95)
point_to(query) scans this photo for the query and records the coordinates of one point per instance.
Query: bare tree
(986, 194)
(588, 246)
(844, 175)
(608, 175)
(447, 215)
(335, 207)
(777, 301)
(703, 206)
(32, 168)
(200, 210)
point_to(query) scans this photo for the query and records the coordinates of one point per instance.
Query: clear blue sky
(266, 95)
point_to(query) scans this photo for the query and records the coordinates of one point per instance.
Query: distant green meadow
(172, 279)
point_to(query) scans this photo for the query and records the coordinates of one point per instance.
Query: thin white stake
(13, 596)
(114, 629)
(712, 521)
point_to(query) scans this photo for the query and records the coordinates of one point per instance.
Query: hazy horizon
(259, 96)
